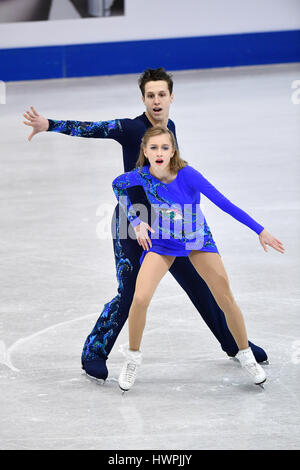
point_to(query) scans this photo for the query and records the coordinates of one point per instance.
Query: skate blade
(262, 385)
(94, 379)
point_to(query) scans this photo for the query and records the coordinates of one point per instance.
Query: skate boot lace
(130, 370)
(252, 367)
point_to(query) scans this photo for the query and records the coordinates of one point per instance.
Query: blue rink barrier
(110, 58)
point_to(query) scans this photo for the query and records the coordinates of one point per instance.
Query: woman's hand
(142, 235)
(266, 238)
(39, 123)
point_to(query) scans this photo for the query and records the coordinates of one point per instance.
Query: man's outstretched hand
(37, 122)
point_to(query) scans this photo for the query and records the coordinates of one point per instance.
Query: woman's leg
(152, 270)
(211, 269)
(198, 292)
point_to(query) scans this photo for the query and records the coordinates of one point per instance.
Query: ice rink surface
(240, 128)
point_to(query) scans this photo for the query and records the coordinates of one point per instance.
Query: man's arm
(102, 129)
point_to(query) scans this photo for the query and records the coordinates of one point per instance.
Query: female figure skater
(179, 229)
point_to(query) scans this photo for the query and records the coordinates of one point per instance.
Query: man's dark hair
(151, 75)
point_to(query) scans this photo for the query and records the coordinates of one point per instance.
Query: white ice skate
(129, 370)
(251, 367)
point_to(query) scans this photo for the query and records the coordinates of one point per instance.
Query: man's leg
(197, 290)
(115, 313)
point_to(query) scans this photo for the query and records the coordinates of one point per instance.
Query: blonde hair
(176, 162)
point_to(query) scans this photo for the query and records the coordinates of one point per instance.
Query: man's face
(157, 100)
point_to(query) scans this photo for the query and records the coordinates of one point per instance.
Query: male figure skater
(156, 86)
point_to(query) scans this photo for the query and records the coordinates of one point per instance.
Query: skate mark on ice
(4, 357)
(7, 352)
(132, 417)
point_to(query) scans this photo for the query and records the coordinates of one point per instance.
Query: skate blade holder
(263, 363)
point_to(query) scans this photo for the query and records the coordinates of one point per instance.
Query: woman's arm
(199, 182)
(120, 186)
(205, 187)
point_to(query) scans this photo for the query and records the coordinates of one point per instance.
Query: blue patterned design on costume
(107, 324)
(86, 129)
(158, 192)
(189, 215)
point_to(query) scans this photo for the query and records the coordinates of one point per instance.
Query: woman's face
(159, 151)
